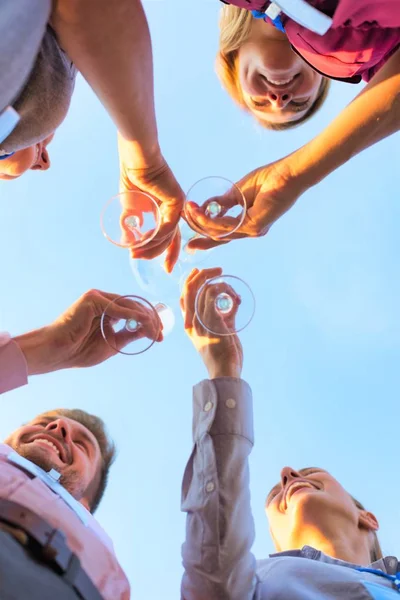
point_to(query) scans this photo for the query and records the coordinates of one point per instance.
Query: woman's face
(35, 157)
(277, 84)
(309, 505)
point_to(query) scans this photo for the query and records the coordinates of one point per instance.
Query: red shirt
(363, 36)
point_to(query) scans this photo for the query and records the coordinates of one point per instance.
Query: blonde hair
(235, 26)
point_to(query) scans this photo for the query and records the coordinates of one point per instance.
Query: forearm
(371, 117)
(216, 497)
(109, 42)
(13, 367)
(37, 350)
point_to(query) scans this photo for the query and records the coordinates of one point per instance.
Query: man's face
(34, 157)
(54, 442)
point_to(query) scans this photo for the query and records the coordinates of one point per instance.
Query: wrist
(139, 156)
(234, 373)
(39, 351)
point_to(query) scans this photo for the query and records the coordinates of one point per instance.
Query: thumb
(173, 251)
(200, 243)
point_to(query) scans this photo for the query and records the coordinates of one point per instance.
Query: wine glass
(130, 219)
(225, 305)
(124, 328)
(215, 201)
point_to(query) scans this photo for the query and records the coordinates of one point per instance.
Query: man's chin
(38, 456)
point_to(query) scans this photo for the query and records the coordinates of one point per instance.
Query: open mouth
(49, 445)
(283, 83)
(295, 487)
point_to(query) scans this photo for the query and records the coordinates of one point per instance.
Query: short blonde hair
(235, 26)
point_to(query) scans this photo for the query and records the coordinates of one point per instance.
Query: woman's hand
(269, 192)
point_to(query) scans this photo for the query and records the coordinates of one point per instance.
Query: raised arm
(75, 339)
(215, 491)
(109, 41)
(271, 190)
(372, 116)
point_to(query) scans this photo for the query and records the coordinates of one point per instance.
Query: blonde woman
(278, 76)
(326, 542)
(247, 46)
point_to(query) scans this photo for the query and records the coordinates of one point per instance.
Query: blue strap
(258, 14)
(4, 156)
(395, 579)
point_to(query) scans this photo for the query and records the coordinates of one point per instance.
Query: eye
(311, 472)
(81, 445)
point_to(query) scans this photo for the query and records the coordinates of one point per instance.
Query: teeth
(281, 81)
(48, 443)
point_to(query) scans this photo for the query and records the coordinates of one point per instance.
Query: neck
(342, 546)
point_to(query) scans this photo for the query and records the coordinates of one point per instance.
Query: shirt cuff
(223, 406)
(13, 367)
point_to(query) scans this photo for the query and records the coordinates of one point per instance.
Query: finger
(173, 251)
(152, 248)
(217, 321)
(216, 227)
(125, 337)
(170, 215)
(182, 301)
(192, 289)
(149, 252)
(122, 308)
(200, 243)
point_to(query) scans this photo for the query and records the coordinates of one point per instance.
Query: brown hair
(235, 25)
(107, 447)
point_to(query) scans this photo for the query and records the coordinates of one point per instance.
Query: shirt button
(230, 403)
(210, 486)
(208, 406)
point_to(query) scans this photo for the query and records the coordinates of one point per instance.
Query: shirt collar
(51, 480)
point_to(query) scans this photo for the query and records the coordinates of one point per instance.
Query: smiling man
(53, 474)
(54, 469)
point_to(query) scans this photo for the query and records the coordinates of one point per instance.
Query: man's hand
(222, 355)
(157, 180)
(269, 192)
(75, 338)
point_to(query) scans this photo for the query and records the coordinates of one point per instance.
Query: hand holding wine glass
(158, 181)
(268, 193)
(222, 354)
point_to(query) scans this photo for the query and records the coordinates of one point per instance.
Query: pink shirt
(13, 367)
(90, 542)
(363, 36)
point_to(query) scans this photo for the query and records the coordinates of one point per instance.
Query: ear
(367, 520)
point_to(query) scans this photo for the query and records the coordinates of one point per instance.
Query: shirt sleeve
(216, 497)
(13, 367)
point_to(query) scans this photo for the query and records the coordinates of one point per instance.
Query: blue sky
(321, 354)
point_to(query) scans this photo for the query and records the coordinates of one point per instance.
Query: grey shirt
(220, 532)
(37, 74)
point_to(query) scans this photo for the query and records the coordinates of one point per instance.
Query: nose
(287, 475)
(60, 428)
(279, 99)
(43, 162)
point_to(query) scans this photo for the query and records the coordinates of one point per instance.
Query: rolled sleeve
(216, 496)
(13, 367)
